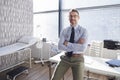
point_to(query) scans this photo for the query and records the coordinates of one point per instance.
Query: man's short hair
(74, 10)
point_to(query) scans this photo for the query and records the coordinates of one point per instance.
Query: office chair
(96, 49)
(52, 51)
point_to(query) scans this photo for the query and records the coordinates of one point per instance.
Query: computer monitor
(110, 44)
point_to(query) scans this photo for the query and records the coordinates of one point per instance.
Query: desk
(92, 64)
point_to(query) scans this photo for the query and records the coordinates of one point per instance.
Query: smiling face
(73, 18)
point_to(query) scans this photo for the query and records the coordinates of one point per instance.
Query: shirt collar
(75, 27)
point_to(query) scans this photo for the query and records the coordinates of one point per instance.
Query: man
(73, 40)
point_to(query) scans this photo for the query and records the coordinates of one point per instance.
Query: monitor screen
(110, 44)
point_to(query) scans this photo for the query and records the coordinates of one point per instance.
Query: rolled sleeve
(61, 46)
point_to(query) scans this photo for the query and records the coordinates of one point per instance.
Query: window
(100, 18)
(45, 5)
(46, 19)
(102, 23)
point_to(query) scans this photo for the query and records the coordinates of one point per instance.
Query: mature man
(73, 40)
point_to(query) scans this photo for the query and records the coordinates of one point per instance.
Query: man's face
(73, 18)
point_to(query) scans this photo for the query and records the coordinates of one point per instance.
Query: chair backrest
(53, 49)
(96, 48)
(39, 44)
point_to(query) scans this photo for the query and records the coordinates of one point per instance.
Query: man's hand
(81, 41)
(65, 43)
